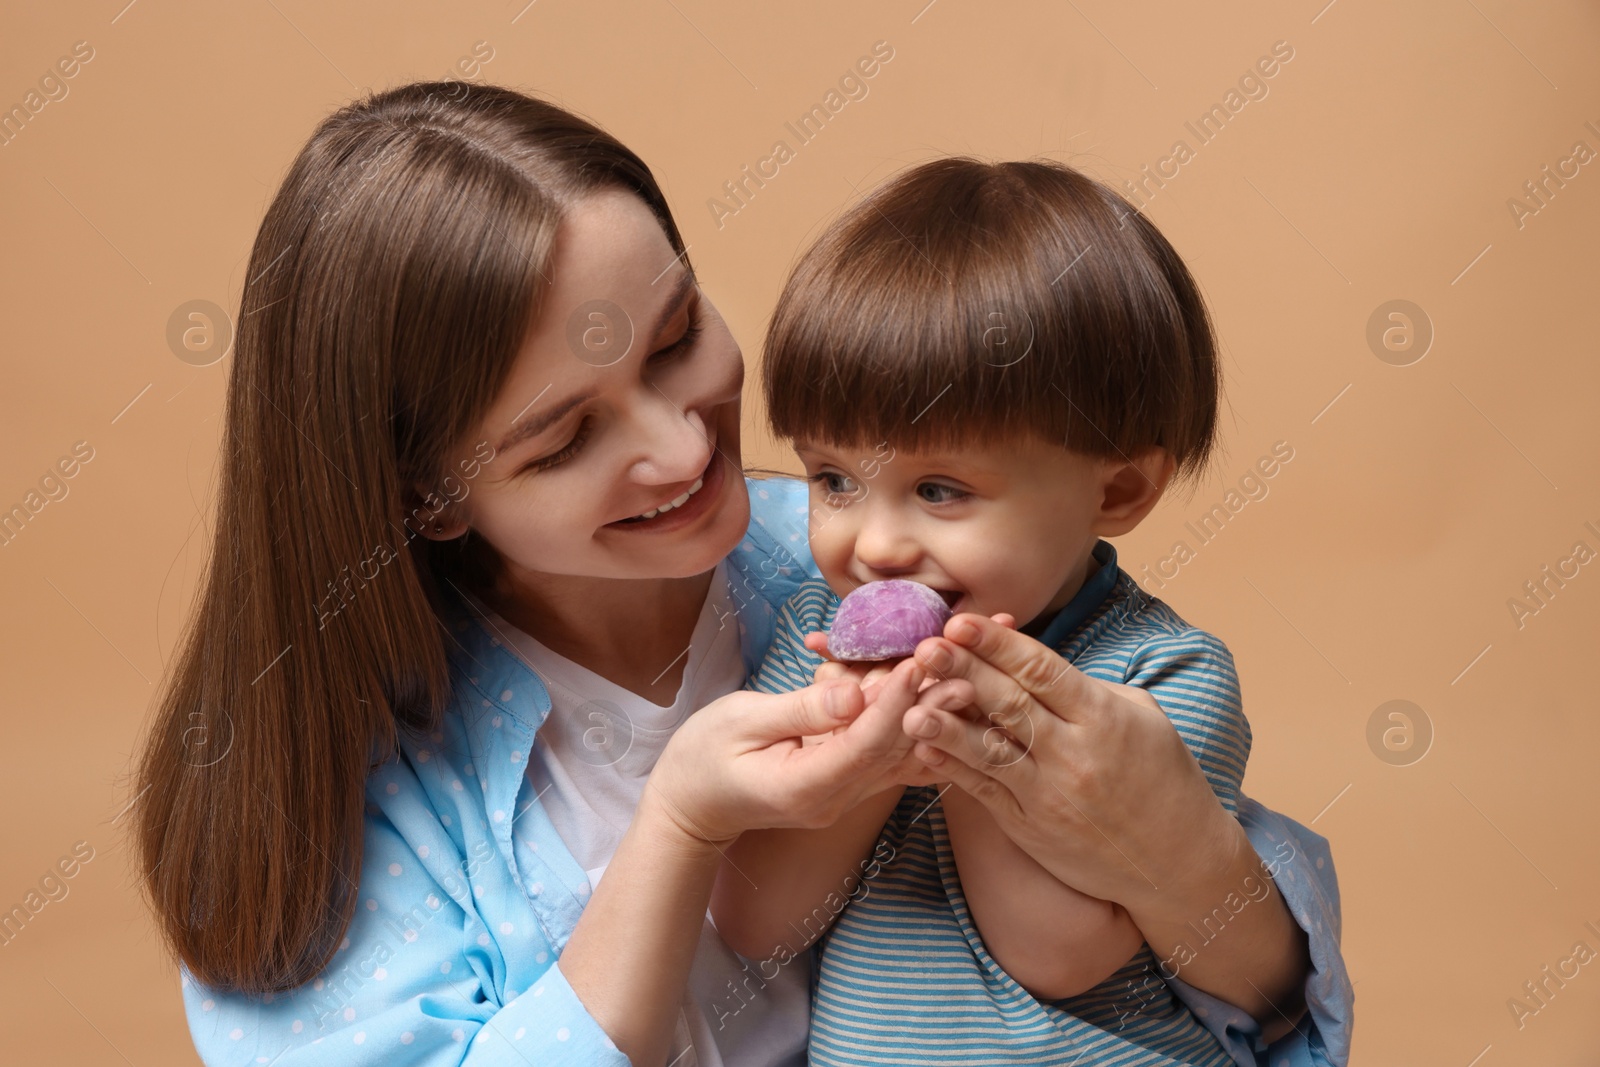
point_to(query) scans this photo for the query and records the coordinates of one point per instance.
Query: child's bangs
(922, 344)
(968, 304)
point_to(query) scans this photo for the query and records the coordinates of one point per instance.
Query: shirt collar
(1089, 597)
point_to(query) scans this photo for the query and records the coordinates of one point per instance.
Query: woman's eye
(567, 451)
(681, 345)
(934, 493)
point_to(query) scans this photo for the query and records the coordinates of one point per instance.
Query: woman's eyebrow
(675, 300)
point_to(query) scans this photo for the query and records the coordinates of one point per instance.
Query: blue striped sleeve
(789, 664)
(1192, 676)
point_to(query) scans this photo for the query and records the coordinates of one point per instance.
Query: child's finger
(817, 641)
(874, 673)
(887, 680)
(828, 670)
(951, 694)
(871, 675)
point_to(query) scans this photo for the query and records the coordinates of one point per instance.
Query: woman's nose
(675, 445)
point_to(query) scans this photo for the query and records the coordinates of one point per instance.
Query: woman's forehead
(608, 246)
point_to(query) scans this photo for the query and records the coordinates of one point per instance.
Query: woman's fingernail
(928, 754)
(938, 659)
(928, 727)
(963, 632)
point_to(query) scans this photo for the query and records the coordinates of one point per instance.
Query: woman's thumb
(816, 709)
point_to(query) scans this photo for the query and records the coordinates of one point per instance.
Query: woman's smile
(700, 499)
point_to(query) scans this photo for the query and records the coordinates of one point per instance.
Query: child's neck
(1063, 597)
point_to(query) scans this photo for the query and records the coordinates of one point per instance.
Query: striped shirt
(904, 977)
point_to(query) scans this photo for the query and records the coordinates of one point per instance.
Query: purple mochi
(886, 620)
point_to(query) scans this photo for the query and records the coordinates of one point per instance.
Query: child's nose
(886, 550)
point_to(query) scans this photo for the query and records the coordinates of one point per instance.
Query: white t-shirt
(590, 761)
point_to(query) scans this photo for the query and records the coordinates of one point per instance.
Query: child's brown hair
(966, 301)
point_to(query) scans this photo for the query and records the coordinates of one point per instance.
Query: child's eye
(934, 493)
(834, 484)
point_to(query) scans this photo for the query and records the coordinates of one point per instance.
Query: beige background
(1419, 499)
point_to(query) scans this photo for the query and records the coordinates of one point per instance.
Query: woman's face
(623, 399)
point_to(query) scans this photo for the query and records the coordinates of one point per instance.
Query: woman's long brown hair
(393, 279)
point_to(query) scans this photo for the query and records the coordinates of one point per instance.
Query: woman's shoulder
(771, 560)
(778, 507)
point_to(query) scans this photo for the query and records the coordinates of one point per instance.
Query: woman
(372, 832)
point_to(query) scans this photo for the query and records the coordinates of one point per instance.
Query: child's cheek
(831, 546)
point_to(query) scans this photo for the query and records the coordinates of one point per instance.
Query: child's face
(1003, 528)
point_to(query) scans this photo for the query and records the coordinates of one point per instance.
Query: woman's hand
(1093, 781)
(740, 764)
(737, 764)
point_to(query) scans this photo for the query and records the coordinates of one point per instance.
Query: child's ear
(1130, 488)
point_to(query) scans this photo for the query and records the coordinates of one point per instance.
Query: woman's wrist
(1216, 858)
(674, 830)
(1262, 963)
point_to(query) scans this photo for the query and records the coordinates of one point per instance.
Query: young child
(985, 369)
